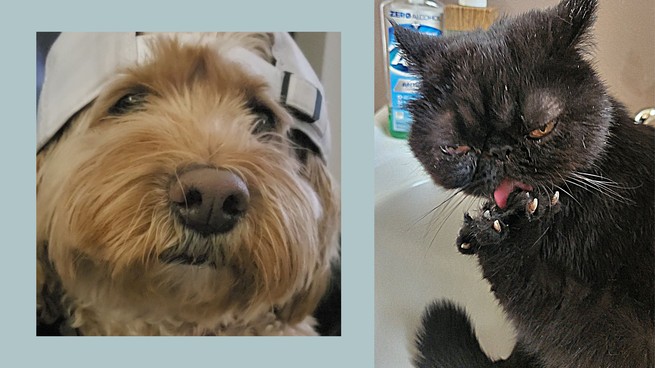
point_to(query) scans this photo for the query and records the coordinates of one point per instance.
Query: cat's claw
(487, 228)
(532, 206)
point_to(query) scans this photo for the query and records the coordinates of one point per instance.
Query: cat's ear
(572, 20)
(418, 49)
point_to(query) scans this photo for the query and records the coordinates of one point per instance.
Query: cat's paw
(488, 228)
(535, 206)
(493, 225)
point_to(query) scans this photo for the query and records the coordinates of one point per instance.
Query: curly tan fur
(104, 218)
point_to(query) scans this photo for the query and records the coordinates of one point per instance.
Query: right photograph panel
(514, 184)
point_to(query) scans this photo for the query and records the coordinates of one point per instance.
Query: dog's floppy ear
(305, 301)
(44, 315)
(52, 317)
(328, 313)
(51, 314)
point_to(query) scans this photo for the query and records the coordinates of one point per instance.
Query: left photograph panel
(188, 184)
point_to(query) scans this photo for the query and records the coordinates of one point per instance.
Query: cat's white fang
(497, 226)
(532, 206)
(555, 199)
(465, 246)
(486, 214)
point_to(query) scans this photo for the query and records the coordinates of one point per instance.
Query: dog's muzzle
(207, 201)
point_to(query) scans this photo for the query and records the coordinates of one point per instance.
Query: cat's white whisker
(606, 188)
(569, 192)
(442, 212)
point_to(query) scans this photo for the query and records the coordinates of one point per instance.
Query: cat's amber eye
(543, 131)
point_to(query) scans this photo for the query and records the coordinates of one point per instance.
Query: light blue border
(20, 21)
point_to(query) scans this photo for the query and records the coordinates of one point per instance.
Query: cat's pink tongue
(506, 187)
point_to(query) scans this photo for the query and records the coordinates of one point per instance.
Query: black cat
(517, 114)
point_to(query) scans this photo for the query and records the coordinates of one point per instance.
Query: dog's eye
(128, 103)
(264, 120)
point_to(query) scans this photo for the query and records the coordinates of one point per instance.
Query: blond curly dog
(176, 203)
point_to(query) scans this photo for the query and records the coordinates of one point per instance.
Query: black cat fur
(576, 277)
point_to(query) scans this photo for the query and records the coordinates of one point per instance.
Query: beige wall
(625, 47)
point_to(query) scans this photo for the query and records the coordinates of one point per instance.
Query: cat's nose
(500, 152)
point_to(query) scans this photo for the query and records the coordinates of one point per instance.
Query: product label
(404, 86)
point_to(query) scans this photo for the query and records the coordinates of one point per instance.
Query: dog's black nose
(208, 200)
